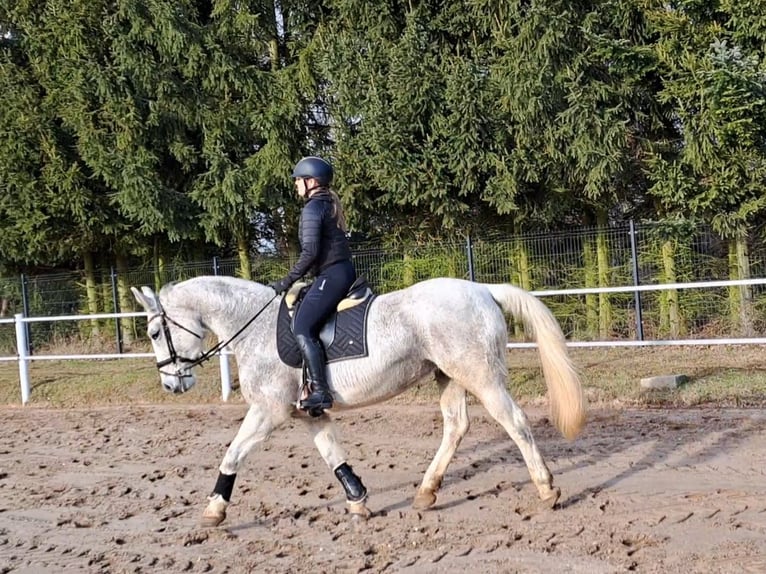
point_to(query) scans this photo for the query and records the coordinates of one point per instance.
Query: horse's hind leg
(257, 426)
(322, 430)
(455, 415)
(504, 410)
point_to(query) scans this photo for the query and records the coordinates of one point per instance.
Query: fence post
(116, 301)
(215, 265)
(636, 281)
(469, 255)
(25, 308)
(22, 345)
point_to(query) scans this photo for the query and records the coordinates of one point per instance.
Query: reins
(174, 357)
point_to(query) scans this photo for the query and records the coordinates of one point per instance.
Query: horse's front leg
(257, 426)
(322, 430)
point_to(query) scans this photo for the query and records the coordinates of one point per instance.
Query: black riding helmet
(316, 167)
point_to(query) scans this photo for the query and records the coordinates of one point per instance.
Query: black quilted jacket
(322, 241)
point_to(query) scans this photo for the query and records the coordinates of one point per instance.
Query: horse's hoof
(211, 521)
(215, 512)
(359, 510)
(423, 500)
(550, 498)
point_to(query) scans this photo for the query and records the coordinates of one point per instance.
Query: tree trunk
(159, 266)
(521, 272)
(604, 272)
(243, 251)
(670, 316)
(590, 272)
(106, 288)
(452, 268)
(125, 299)
(408, 270)
(91, 291)
(740, 297)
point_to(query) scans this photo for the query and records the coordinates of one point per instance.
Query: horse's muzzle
(178, 384)
(175, 389)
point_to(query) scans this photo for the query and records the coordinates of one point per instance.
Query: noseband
(173, 355)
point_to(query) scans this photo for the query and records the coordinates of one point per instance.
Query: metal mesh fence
(648, 254)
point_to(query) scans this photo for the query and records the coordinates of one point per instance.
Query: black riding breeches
(329, 287)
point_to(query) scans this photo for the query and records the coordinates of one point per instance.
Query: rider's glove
(280, 286)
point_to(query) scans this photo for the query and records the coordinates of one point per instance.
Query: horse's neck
(225, 315)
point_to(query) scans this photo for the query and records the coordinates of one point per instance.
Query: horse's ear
(147, 299)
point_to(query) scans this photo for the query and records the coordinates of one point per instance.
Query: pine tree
(256, 95)
(408, 91)
(53, 207)
(714, 59)
(716, 168)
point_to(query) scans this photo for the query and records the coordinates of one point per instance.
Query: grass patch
(129, 381)
(718, 375)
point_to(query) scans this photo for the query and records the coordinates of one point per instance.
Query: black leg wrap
(224, 485)
(352, 484)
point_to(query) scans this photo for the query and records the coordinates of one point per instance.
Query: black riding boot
(314, 358)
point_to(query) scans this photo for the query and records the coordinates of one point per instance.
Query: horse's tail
(567, 402)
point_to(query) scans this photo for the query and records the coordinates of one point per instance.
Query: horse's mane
(228, 290)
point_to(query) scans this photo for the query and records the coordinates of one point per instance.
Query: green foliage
(715, 82)
(143, 119)
(421, 264)
(455, 115)
(409, 85)
(52, 206)
(574, 85)
(155, 128)
(251, 107)
(88, 118)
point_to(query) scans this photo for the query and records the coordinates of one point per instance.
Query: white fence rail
(24, 359)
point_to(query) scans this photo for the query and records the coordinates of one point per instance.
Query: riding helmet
(316, 167)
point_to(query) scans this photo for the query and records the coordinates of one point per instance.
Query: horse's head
(177, 341)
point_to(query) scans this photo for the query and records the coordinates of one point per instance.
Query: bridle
(174, 357)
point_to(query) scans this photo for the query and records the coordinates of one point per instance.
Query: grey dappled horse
(452, 329)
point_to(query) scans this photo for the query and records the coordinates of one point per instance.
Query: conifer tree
(577, 85)
(407, 87)
(53, 207)
(256, 95)
(715, 169)
(715, 82)
(531, 111)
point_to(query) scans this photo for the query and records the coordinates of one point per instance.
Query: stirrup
(316, 403)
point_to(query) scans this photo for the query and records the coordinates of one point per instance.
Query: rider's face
(303, 185)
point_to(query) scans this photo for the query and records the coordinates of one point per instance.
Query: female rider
(326, 253)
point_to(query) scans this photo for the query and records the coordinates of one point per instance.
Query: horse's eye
(154, 334)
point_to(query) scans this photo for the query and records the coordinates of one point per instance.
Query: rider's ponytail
(338, 212)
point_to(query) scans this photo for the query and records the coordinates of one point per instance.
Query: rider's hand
(280, 286)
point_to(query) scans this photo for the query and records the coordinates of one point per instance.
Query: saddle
(344, 334)
(358, 292)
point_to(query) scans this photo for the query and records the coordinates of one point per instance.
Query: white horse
(450, 329)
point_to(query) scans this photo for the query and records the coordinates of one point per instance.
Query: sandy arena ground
(122, 490)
